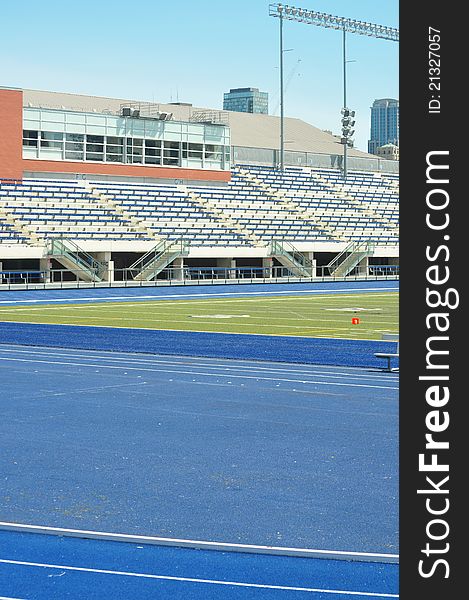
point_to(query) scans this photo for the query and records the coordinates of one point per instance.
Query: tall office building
(384, 124)
(249, 100)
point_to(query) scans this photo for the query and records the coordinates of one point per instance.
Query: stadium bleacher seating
(9, 235)
(366, 207)
(169, 212)
(260, 204)
(62, 209)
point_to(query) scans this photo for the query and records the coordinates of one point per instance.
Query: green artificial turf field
(328, 315)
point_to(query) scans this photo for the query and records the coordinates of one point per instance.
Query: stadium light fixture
(347, 131)
(311, 17)
(320, 19)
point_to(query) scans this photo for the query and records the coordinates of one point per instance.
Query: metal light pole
(282, 123)
(282, 97)
(311, 17)
(345, 99)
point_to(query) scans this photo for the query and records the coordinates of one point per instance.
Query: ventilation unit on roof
(144, 110)
(128, 111)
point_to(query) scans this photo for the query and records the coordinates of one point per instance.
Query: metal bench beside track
(389, 337)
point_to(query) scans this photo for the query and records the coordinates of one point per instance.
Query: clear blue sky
(194, 50)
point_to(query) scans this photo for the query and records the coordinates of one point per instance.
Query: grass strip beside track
(328, 315)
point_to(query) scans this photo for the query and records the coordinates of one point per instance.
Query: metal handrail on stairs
(156, 259)
(298, 260)
(353, 248)
(83, 260)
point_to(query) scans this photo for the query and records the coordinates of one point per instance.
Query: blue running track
(234, 448)
(235, 451)
(40, 567)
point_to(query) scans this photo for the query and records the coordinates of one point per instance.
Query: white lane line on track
(201, 544)
(199, 581)
(191, 372)
(95, 388)
(10, 598)
(172, 296)
(154, 356)
(181, 361)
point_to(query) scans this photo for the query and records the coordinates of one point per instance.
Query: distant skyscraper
(249, 100)
(384, 124)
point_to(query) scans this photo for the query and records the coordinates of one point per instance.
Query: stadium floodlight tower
(312, 17)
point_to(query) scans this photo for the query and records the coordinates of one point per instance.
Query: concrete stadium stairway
(24, 233)
(227, 221)
(135, 224)
(338, 190)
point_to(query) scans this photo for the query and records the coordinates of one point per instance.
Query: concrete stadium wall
(52, 166)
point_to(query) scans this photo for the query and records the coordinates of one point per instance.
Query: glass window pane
(195, 150)
(115, 140)
(114, 149)
(47, 144)
(170, 161)
(30, 113)
(52, 115)
(74, 137)
(95, 120)
(74, 155)
(114, 157)
(152, 143)
(172, 153)
(30, 138)
(51, 135)
(78, 119)
(152, 160)
(95, 139)
(31, 123)
(212, 151)
(94, 156)
(75, 146)
(29, 153)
